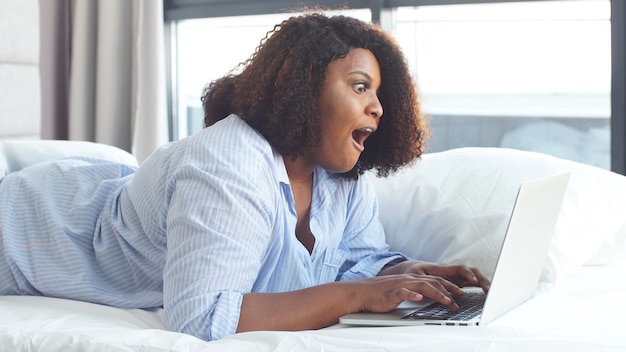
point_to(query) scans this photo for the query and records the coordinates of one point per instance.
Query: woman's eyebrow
(362, 73)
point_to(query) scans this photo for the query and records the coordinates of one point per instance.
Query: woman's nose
(375, 108)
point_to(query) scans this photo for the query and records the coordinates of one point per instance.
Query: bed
(449, 207)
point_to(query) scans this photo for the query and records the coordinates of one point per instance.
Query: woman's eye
(360, 87)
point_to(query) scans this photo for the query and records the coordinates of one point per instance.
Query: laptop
(517, 272)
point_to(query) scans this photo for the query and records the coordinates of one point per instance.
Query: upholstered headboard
(20, 94)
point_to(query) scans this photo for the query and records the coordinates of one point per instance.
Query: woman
(261, 221)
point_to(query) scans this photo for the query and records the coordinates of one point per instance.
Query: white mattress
(548, 322)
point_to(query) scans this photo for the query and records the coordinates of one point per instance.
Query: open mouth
(359, 137)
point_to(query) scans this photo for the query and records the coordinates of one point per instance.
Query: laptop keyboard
(470, 306)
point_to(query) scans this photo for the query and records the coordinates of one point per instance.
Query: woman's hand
(386, 292)
(461, 275)
(451, 277)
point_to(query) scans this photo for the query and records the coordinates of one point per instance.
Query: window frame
(381, 10)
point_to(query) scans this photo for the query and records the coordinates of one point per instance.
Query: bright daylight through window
(527, 75)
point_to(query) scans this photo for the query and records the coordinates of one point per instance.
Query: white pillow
(454, 206)
(17, 154)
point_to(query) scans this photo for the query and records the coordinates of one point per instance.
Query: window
(532, 75)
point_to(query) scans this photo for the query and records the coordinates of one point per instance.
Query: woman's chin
(339, 163)
(340, 169)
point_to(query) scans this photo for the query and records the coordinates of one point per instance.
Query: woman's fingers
(436, 281)
(483, 282)
(387, 292)
(474, 277)
(462, 275)
(436, 288)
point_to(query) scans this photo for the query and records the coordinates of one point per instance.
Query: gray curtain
(108, 62)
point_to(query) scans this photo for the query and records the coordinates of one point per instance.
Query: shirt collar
(323, 182)
(279, 166)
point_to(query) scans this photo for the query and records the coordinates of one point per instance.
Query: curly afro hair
(278, 88)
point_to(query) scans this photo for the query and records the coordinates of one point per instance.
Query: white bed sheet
(545, 323)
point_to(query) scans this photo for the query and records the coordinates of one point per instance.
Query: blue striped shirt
(203, 221)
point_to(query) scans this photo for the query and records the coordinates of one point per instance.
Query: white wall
(20, 95)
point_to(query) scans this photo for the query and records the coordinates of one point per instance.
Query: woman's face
(350, 110)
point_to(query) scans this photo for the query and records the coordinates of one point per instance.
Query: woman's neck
(299, 170)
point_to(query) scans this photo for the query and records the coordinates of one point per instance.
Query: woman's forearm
(311, 308)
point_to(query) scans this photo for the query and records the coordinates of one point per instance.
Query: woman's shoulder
(228, 144)
(231, 134)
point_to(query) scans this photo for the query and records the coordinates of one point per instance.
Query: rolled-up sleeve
(371, 265)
